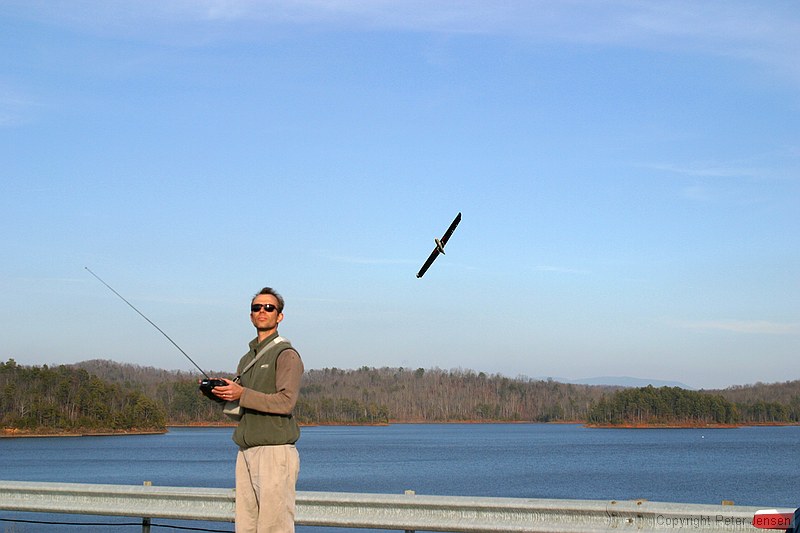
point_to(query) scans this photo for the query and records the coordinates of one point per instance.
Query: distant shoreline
(689, 426)
(12, 433)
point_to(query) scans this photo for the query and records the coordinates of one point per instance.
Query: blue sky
(628, 174)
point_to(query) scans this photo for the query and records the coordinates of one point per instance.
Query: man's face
(265, 320)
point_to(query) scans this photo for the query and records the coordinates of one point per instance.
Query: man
(267, 463)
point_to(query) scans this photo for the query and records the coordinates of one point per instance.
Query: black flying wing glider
(439, 246)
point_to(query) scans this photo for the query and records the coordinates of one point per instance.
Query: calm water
(751, 466)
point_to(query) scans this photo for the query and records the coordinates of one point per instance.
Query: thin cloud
(711, 170)
(15, 108)
(736, 182)
(734, 29)
(761, 327)
(756, 166)
(769, 36)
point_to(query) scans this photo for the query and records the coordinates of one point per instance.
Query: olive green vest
(255, 427)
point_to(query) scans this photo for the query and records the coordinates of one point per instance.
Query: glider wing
(439, 246)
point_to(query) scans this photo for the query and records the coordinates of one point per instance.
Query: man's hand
(230, 392)
(206, 387)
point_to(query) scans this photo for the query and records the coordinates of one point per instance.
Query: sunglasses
(255, 308)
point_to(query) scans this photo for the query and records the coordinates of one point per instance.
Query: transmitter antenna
(150, 321)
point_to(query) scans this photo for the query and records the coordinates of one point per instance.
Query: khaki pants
(265, 489)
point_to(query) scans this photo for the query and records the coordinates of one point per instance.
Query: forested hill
(380, 395)
(71, 400)
(784, 392)
(102, 394)
(765, 403)
(436, 395)
(127, 374)
(673, 406)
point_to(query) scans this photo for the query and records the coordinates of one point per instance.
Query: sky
(628, 174)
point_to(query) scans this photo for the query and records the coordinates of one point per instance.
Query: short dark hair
(273, 292)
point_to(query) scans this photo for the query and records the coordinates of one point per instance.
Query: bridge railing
(404, 512)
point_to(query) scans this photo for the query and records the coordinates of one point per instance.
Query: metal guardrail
(405, 512)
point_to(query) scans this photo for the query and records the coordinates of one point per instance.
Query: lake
(749, 465)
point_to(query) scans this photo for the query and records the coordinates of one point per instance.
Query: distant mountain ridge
(628, 381)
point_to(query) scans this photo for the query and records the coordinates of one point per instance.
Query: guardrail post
(410, 492)
(146, 521)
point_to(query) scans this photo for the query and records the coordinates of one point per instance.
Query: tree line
(66, 399)
(763, 403)
(757, 404)
(382, 395)
(663, 406)
(103, 395)
(376, 395)
(396, 394)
